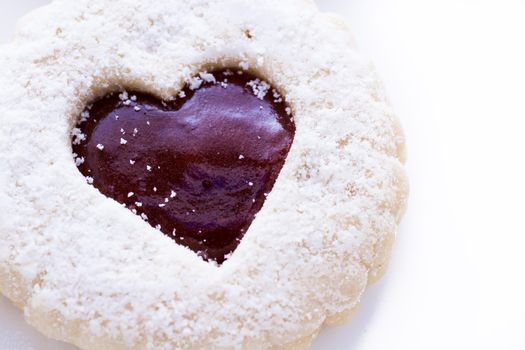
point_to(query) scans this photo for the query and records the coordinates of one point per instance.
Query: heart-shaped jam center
(197, 168)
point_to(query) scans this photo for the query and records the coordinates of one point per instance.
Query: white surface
(455, 72)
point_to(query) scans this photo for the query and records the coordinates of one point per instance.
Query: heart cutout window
(197, 168)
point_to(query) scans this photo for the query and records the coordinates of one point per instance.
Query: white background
(455, 73)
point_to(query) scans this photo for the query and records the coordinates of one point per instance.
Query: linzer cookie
(199, 174)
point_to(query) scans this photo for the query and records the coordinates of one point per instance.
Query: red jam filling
(197, 168)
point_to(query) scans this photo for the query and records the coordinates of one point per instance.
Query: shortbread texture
(87, 271)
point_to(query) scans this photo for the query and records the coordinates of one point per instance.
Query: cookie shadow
(349, 335)
(16, 334)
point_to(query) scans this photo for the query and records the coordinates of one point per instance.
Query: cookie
(202, 174)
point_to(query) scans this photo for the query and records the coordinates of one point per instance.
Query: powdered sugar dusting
(260, 88)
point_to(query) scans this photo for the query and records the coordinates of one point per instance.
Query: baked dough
(87, 271)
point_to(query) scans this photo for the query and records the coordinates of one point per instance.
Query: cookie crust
(89, 272)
